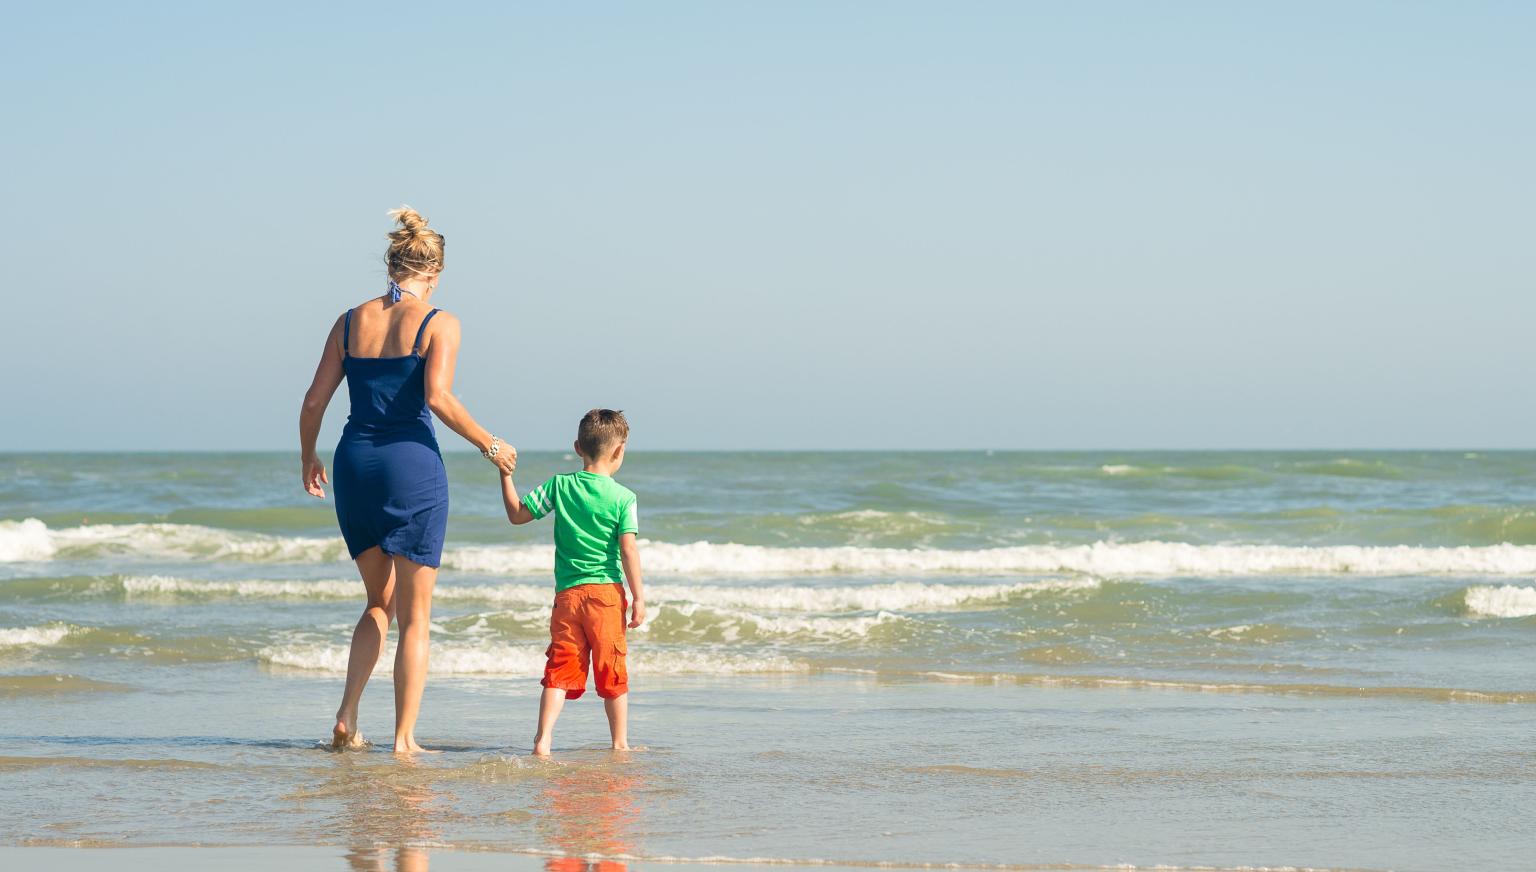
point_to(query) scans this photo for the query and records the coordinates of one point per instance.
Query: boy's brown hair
(600, 430)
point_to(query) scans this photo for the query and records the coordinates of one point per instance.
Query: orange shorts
(588, 623)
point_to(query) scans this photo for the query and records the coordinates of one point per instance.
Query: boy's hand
(637, 613)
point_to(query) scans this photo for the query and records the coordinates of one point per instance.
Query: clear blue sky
(785, 225)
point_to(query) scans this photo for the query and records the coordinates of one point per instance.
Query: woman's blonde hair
(414, 249)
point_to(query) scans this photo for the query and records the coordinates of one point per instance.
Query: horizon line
(469, 452)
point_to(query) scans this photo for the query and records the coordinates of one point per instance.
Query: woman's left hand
(314, 476)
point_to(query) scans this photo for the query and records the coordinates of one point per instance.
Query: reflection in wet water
(406, 859)
(578, 864)
(390, 804)
(589, 810)
(384, 811)
(390, 812)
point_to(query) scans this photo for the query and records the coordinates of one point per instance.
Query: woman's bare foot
(409, 745)
(541, 747)
(345, 737)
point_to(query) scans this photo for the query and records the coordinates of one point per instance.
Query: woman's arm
(442, 358)
(328, 376)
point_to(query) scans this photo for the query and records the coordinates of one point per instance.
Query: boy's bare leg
(618, 720)
(413, 609)
(550, 704)
(378, 573)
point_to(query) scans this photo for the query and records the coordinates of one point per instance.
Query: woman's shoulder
(441, 318)
(361, 309)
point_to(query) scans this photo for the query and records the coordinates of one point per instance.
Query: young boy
(595, 526)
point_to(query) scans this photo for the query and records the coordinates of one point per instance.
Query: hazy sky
(785, 225)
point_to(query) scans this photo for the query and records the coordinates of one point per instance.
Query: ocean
(1019, 660)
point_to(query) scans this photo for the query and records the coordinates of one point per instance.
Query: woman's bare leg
(413, 608)
(378, 572)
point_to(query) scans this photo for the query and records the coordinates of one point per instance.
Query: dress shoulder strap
(416, 349)
(346, 335)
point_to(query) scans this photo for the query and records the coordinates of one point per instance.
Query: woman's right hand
(314, 476)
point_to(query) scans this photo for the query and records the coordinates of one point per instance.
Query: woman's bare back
(385, 329)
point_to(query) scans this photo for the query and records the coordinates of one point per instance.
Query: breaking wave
(1507, 601)
(453, 658)
(31, 540)
(896, 596)
(34, 637)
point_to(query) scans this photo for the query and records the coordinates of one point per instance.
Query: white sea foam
(898, 596)
(732, 622)
(1507, 601)
(865, 515)
(29, 540)
(25, 540)
(1143, 559)
(1116, 469)
(161, 585)
(526, 660)
(164, 541)
(323, 589)
(34, 637)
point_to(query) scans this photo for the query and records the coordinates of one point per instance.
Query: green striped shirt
(591, 512)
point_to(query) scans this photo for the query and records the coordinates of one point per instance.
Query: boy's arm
(629, 554)
(517, 513)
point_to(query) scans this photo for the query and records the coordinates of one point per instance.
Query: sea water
(1033, 660)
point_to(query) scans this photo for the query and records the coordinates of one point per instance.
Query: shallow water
(1032, 659)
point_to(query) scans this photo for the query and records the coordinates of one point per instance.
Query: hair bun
(409, 219)
(414, 248)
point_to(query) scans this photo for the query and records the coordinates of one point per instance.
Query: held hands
(637, 613)
(501, 455)
(314, 476)
(506, 460)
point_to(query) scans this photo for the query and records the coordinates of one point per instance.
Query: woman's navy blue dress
(391, 487)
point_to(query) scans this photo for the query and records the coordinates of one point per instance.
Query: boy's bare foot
(541, 747)
(620, 746)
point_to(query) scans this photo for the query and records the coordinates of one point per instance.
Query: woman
(397, 354)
